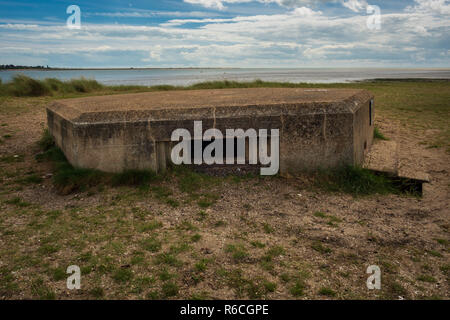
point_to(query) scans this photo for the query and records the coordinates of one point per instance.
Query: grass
(168, 259)
(59, 274)
(152, 244)
(169, 289)
(319, 247)
(18, 202)
(133, 178)
(40, 290)
(122, 275)
(426, 278)
(267, 259)
(150, 226)
(328, 292)
(378, 135)
(331, 220)
(356, 181)
(267, 228)
(23, 86)
(298, 288)
(201, 265)
(97, 292)
(237, 251)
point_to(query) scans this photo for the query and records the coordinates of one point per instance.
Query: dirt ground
(270, 238)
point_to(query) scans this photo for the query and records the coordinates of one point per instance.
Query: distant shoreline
(112, 69)
(215, 68)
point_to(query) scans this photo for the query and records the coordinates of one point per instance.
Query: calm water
(149, 77)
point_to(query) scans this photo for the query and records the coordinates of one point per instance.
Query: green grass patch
(59, 274)
(331, 220)
(31, 179)
(12, 158)
(298, 288)
(237, 251)
(435, 253)
(268, 228)
(46, 141)
(378, 135)
(97, 292)
(134, 178)
(257, 244)
(267, 259)
(328, 292)
(122, 275)
(149, 226)
(165, 275)
(444, 242)
(426, 278)
(168, 259)
(39, 289)
(319, 247)
(196, 237)
(169, 289)
(151, 244)
(201, 265)
(18, 202)
(356, 181)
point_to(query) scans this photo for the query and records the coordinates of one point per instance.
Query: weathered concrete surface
(318, 127)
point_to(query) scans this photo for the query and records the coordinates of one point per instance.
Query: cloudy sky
(227, 33)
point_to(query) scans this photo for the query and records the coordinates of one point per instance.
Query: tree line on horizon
(12, 66)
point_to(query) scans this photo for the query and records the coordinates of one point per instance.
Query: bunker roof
(179, 104)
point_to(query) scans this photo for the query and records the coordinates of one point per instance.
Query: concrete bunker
(318, 128)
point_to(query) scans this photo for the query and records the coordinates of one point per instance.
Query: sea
(188, 76)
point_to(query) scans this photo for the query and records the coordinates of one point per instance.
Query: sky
(227, 33)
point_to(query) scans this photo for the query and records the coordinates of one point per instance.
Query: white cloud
(431, 6)
(216, 4)
(151, 14)
(355, 5)
(305, 12)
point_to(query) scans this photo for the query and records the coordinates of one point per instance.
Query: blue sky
(227, 33)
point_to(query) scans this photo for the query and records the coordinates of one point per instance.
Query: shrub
(23, 86)
(85, 85)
